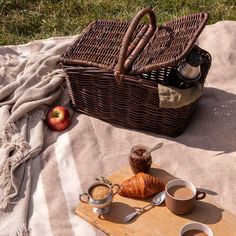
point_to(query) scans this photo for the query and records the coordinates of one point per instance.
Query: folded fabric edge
(171, 97)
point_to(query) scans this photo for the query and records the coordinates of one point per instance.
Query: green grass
(22, 21)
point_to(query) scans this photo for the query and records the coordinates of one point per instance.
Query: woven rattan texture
(131, 105)
(134, 103)
(108, 66)
(170, 43)
(99, 45)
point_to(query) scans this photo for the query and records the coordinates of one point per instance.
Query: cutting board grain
(158, 221)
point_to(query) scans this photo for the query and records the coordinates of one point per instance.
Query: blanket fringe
(22, 231)
(10, 137)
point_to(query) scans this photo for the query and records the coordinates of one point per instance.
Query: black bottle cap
(194, 58)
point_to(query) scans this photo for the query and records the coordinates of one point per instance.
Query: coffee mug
(195, 228)
(99, 196)
(181, 196)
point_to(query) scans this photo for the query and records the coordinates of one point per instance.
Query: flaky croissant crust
(141, 185)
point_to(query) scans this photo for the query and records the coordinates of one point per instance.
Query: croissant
(141, 185)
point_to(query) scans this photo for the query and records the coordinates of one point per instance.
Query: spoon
(157, 200)
(159, 145)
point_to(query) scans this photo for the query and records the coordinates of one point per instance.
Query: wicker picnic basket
(105, 66)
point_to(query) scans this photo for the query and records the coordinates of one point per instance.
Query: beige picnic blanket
(53, 168)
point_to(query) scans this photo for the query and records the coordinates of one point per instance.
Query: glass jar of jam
(138, 161)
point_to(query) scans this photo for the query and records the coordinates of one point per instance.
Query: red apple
(58, 118)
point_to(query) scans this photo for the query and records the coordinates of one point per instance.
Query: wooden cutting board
(158, 221)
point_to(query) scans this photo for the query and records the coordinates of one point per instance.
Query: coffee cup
(195, 228)
(99, 196)
(181, 196)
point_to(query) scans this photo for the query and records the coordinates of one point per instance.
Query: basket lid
(98, 45)
(170, 43)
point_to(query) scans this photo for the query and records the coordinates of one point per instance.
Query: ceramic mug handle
(81, 196)
(118, 188)
(200, 195)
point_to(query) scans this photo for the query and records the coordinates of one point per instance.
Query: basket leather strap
(124, 62)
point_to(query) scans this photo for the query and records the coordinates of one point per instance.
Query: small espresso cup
(181, 196)
(195, 228)
(99, 196)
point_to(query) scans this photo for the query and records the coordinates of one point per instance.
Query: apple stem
(55, 114)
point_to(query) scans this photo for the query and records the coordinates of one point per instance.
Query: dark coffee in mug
(180, 192)
(195, 232)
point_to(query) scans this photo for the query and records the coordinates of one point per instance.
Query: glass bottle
(189, 71)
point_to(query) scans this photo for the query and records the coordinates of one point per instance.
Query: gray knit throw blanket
(22, 108)
(23, 104)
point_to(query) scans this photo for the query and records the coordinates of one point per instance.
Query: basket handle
(123, 61)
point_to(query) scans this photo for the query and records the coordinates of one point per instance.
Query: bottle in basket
(189, 71)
